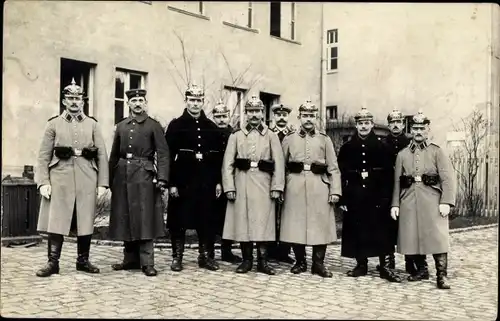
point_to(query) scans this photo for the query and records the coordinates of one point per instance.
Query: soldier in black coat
(365, 166)
(221, 119)
(195, 179)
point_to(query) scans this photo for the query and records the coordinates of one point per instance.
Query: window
(407, 123)
(331, 112)
(292, 21)
(332, 51)
(268, 100)
(283, 20)
(125, 80)
(83, 73)
(250, 15)
(275, 19)
(237, 14)
(234, 102)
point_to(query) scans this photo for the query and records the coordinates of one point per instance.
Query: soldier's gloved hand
(444, 209)
(231, 196)
(46, 190)
(161, 185)
(343, 207)
(101, 191)
(218, 190)
(394, 212)
(174, 192)
(334, 198)
(275, 195)
(281, 199)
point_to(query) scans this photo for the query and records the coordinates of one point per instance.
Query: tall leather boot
(300, 259)
(263, 259)
(410, 265)
(83, 248)
(247, 253)
(318, 259)
(284, 253)
(360, 269)
(204, 260)
(227, 254)
(54, 247)
(441, 261)
(131, 259)
(386, 272)
(422, 269)
(177, 239)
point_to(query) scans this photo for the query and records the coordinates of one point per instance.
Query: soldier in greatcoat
(365, 165)
(195, 180)
(424, 191)
(253, 180)
(136, 184)
(312, 188)
(72, 172)
(280, 250)
(221, 118)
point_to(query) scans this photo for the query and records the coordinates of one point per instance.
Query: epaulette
(53, 117)
(432, 143)
(92, 117)
(237, 129)
(290, 132)
(323, 133)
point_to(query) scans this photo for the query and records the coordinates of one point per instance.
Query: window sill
(286, 40)
(147, 2)
(239, 27)
(192, 14)
(332, 72)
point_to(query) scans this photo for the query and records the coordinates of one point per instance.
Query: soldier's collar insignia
(303, 133)
(260, 128)
(413, 146)
(69, 118)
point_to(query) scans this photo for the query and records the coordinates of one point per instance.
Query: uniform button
(130, 137)
(198, 129)
(364, 170)
(362, 145)
(363, 154)
(199, 136)
(128, 162)
(133, 123)
(199, 145)
(364, 186)
(131, 130)
(129, 145)
(364, 162)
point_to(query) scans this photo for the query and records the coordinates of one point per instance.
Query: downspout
(322, 70)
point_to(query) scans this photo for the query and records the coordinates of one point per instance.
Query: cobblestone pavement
(196, 293)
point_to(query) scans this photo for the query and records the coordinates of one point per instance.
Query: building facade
(232, 49)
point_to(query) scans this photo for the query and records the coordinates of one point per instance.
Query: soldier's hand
(46, 190)
(343, 207)
(275, 195)
(161, 185)
(231, 196)
(281, 199)
(101, 191)
(332, 199)
(218, 190)
(174, 192)
(394, 212)
(444, 209)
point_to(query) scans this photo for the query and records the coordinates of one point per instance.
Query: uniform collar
(303, 133)
(68, 117)
(285, 130)
(140, 118)
(187, 115)
(261, 128)
(413, 146)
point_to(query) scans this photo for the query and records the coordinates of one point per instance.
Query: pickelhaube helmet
(395, 115)
(276, 108)
(308, 107)
(73, 90)
(254, 103)
(420, 119)
(136, 93)
(363, 114)
(194, 91)
(220, 109)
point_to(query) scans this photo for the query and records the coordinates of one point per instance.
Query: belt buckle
(199, 155)
(129, 155)
(418, 178)
(307, 167)
(364, 175)
(254, 164)
(77, 152)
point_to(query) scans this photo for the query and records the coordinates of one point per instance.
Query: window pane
(135, 81)
(333, 64)
(336, 36)
(333, 52)
(275, 19)
(119, 104)
(119, 84)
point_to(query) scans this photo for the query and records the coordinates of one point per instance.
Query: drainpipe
(322, 70)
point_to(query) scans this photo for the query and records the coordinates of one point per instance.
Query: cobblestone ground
(196, 293)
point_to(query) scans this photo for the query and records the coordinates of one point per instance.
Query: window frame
(335, 112)
(126, 86)
(332, 43)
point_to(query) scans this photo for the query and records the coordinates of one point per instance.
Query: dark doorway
(82, 72)
(268, 100)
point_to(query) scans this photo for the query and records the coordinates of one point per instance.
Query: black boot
(177, 240)
(410, 265)
(83, 248)
(422, 269)
(54, 247)
(263, 259)
(130, 257)
(284, 253)
(226, 253)
(247, 253)
(204, 260)
(360, 269)
(441, 261)
(300, 259)
(318, 259)
(149, 270)
(391, 259)
(386, 272)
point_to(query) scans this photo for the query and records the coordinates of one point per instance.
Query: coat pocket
(94, 165)
(324, 179)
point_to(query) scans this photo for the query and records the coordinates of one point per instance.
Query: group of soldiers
(273, 188)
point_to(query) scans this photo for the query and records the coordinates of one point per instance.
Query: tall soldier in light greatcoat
(72, 172)
(366, 168)
(253, 180)
(221, 118)
(424, 191)
(279, 250)
(312, 188)
(195, 180)
(136, 206)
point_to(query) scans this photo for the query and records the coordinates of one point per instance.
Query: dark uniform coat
(194, 176)
(395, 145)
(136, 204)
(365, 166)
(74, 180)
(221, 202)
(422, 229)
